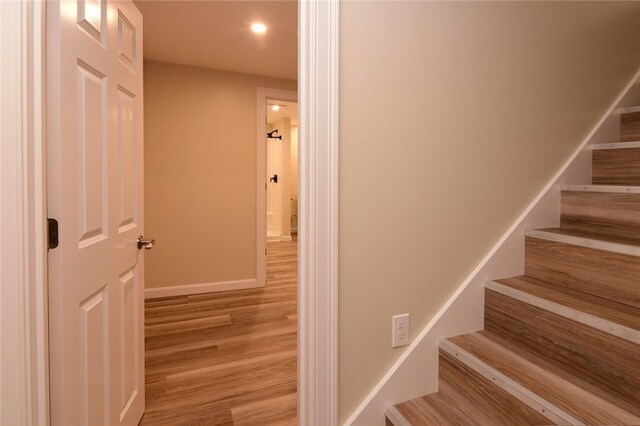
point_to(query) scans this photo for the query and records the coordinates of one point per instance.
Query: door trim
(318, 72)
(23, 253)
(261, 167)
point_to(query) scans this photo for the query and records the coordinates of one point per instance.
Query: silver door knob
(145, 244)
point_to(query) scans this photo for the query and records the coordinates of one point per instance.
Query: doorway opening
(282, 170)
(318, 340)
(221, 303)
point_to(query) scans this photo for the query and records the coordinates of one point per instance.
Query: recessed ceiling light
(275, 107)
(258, 28)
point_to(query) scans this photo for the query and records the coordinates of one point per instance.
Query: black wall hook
(270, 135)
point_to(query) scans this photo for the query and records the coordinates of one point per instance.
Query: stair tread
(626, 315)
(622, 145)
(628, 241)
(568, 393)
(464, 398)
(629, 109)
(431, 409)
(438, 409)
(624, 189)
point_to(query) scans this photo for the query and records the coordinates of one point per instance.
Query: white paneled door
(95, 191)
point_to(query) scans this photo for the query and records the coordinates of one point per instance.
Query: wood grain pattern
(433, 409)
(226, 358)
(606, 362)
(629, 244)
(480, 399)
(543, 379)
(467, 398)
(606, 309)
(601, 212)
(630, 127)
(616, 166)
(609, 275)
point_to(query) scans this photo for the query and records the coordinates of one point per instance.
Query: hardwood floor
(226, 358)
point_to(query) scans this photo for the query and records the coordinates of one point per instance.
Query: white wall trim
(261, 173)
(183, 290)
(475, 276)
(318, 73)
(24, 394)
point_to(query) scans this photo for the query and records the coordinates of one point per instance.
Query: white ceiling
(216, 34)
(287, 109)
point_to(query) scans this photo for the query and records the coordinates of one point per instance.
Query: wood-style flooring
(226, 358)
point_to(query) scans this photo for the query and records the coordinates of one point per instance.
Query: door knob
(146, 244)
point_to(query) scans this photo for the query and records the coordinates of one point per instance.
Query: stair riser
(630, 127)
(604, 361)
(601, 212)
(462, 384)
(616, 166)
(613, 276)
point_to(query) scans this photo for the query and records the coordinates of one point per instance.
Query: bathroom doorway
(281, 140)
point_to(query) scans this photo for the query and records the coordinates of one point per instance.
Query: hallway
(226, 358)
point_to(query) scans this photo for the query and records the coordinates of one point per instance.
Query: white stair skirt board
(602, 188)
(182, 290)
(592, 321)
(415, 371)
(542, 406)
(585, 242)
(615, 145)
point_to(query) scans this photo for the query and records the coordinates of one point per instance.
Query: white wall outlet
(400, 329)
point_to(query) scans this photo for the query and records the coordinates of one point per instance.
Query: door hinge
(52, 233)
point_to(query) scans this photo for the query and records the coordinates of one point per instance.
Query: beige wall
(452, 117)
(200, 173)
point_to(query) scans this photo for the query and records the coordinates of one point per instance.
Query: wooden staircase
(561, 343)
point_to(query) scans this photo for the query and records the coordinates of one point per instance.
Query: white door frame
(24, 352)
(318, 71)
(261, 157)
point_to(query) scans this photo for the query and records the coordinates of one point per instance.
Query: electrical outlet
(400, 329)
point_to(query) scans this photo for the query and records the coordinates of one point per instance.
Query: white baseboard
(415, 373)
(181, 290)
(272, 239)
